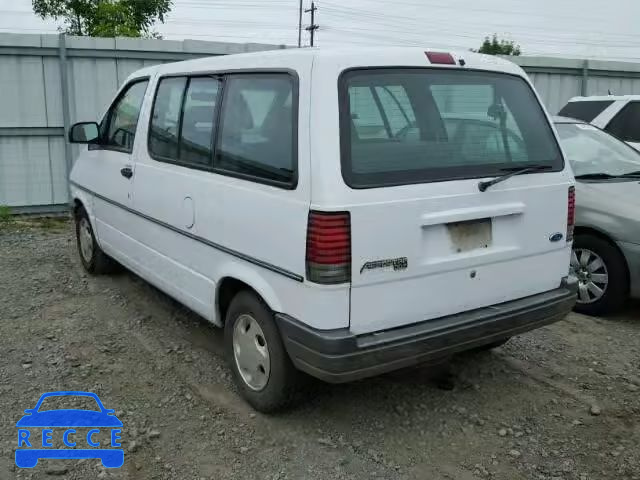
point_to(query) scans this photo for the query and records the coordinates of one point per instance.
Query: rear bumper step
(338, 356)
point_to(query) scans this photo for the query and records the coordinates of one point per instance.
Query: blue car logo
(556, 237)
(41, 432)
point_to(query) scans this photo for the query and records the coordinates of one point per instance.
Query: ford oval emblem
(556, 237)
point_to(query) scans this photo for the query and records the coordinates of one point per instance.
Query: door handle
(126, 172)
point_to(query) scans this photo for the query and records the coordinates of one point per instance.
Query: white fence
(48, 82)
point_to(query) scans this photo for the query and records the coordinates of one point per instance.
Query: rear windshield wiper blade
(595, 176)
(606, 176)
(512, 172)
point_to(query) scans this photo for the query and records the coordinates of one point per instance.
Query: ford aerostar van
(341, 213)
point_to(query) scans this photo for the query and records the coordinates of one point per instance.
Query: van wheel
(601, 269)
(93, 259)
(254, 350)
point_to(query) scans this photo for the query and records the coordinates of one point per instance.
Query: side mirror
(109, 411)
(29, 411)
(84, 132)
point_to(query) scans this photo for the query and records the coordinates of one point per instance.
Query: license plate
(470, 235)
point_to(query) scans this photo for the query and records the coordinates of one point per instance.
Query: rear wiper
(513, 171)
(595, 176)
(606, 176)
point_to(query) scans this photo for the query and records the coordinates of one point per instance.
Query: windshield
(403, 126)
(590, 150)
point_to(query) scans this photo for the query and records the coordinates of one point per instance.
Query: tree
(105, 18)
(493, 46)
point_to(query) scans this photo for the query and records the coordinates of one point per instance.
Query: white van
(342, 213)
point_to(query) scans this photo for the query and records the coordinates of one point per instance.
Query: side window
(626, 124)
(183, 120)
(198, 120)
(258, 128)
(119, 128)
(165, 118)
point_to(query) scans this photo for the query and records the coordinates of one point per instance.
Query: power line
(412, 26)
(430, 6)
(623, 41)
(406, 22)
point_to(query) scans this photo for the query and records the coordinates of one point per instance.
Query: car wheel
(93, 259)
(261, 367)
(603, 284)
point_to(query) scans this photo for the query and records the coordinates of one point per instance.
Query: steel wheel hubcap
(592, 273)
(251, 352)
(86, 240)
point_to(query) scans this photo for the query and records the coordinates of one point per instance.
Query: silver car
(606, 248)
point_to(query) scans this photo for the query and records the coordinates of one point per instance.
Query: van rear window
(585, 110)
(403, 126)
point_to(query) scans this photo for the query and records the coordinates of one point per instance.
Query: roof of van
(608, 98)
(348, 57)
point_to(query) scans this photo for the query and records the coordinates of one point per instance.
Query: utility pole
(313, 27)
(300, 25)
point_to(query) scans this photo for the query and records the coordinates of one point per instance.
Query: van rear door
(426, 242)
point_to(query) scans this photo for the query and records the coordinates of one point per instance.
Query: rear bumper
(631, 252)
(338, 356)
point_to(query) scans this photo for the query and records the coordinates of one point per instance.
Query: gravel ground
(559, 403)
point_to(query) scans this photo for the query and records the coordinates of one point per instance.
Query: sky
(570, 28)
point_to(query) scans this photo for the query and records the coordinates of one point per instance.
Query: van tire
(97, 262)
(617, 290)
(283, 379)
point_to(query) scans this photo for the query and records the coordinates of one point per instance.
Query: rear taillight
(329, 247)
(571, 213)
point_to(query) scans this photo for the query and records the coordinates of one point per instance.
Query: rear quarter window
(584, 110)
(258, 131)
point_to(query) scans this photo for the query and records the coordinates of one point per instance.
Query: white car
(617, 115)
(316, 205)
